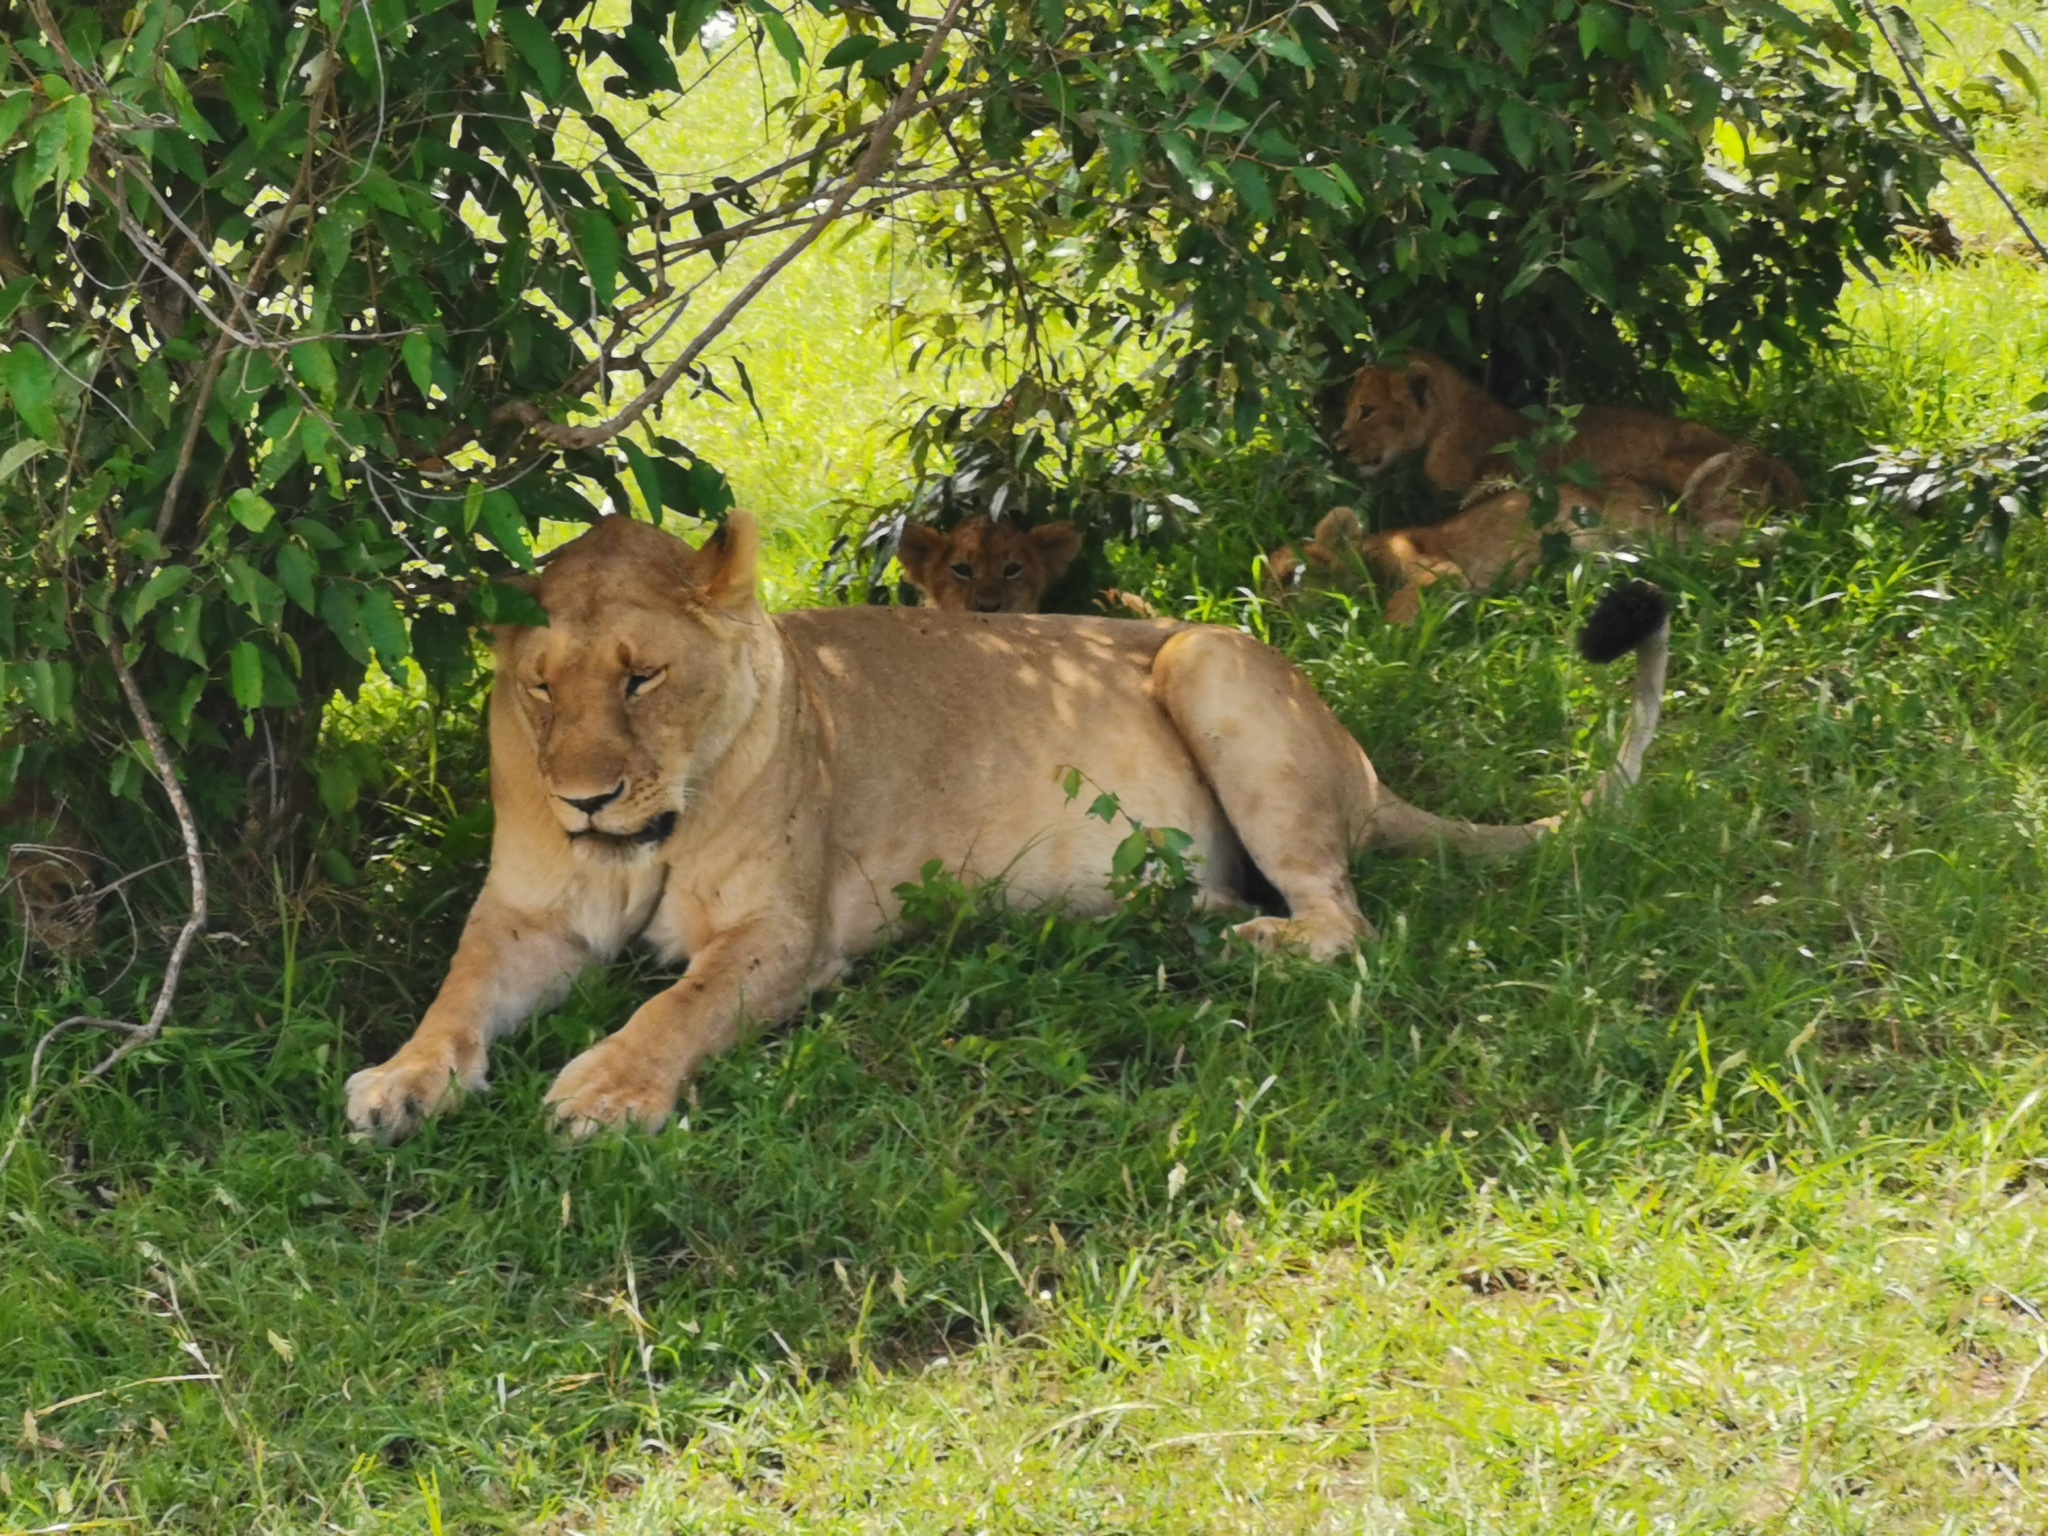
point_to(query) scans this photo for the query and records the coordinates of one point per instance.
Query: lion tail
(1635, 616)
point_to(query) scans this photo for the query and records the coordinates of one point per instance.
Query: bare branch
(1947, 128)
(871, 163)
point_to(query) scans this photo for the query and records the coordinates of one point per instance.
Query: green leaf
(164, 582)
(1602, 30)
(850, 50)
(18, 455)
(2017, 68)
(1280, 45)
(260, 597)
(77, 139)
(537, 46)
(1319, 183)
(178, 629)
(385, 626)
(251, 510)
(31, 385)
(1214, 117)
(341, 605)
(1253, 190)
(597, 241)
(245, 674)
(645, 475)
(506, 528)
(296, 569)
(499, 602)
(889, 58)
(418, 355)
(15, 107)
(782, 35)
(314, 365)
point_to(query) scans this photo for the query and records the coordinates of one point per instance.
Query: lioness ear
(1057, 543)
(919, 549)
(727, 563)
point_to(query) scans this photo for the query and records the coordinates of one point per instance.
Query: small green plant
(1977, 492)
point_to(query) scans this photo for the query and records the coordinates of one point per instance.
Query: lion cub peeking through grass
(746, 791)
(986, 564)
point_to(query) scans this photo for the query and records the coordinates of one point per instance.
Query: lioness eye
(541, 689)
(640, 682)
(1012, 571)
(964, 571)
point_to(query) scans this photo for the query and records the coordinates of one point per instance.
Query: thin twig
(195, 865)
(138, 1035)
(1947, 128)
(870, 166)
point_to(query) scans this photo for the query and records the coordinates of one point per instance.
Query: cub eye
(963, 570)
(1012, 571)
(1367, 413)
(642, 682)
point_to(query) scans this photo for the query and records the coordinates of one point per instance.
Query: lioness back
(951, 734)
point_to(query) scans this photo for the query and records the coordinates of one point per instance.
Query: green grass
(1685, 1172)
(1686, 1176)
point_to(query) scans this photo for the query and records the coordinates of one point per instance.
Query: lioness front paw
(1321, 938)
(390, 1102)
(612, 1084)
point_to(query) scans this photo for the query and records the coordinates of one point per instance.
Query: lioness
(1429, 407)
(1490, 541)
(986, 564)
(747, 790)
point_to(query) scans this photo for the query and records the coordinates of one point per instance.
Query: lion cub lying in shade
(747, 791)
(986, 564)
(1428, 407)
(1490, 542)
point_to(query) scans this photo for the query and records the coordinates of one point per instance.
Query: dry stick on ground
(142, 1034)
(573, 437)
(1946, 127)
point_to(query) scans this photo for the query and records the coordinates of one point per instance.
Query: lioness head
(642, 676)
(1390, 412)
(986, 565)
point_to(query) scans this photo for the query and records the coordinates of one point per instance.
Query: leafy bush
(1573, 189)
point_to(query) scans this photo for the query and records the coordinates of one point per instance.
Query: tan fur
(986, 565)
(1488, 543)
(1428, 407)
(754, 801)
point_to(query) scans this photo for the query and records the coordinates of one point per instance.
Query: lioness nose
(986, 605)
(590, 805)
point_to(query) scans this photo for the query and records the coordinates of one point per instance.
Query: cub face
(1389, 414)
(640, 680)
(986, 565)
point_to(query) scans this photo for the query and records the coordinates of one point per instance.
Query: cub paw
(388, 1103)
(611, 1084)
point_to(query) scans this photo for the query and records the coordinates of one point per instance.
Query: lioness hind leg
(1289, 777)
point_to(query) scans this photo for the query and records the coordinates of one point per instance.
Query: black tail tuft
(1622, 620)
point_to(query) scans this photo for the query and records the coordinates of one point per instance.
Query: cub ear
(1418, 385)
(727, 564)
(1340, 532)
(1057, 543)
(919, 551)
